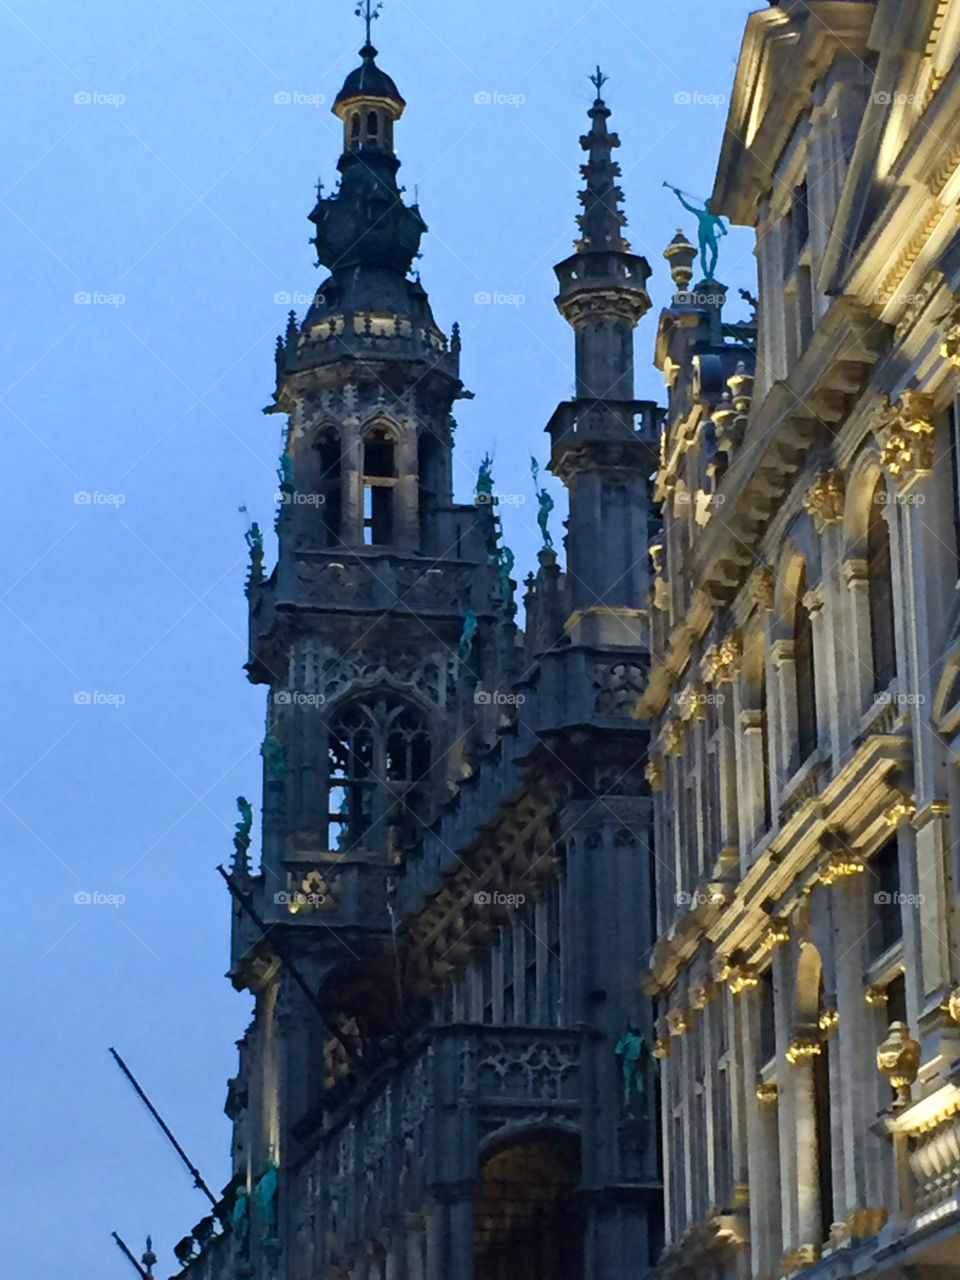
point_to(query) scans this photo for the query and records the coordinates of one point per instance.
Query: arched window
(882, 644)
(327, 446)
(804, 670)
(373, 127)
(379, 759)
(355, 128)
(379, 482)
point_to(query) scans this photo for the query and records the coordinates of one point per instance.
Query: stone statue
(484, 491)
(274, 757)
(470, 625)
(245, 809)
(254, 539)
(545, 505)
(634, 1061)
(709, 226)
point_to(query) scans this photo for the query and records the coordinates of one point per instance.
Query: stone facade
(803, 690)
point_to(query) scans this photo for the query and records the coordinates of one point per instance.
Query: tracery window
(379, 760)
(882, 644)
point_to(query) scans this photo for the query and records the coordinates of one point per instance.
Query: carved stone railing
(934, 1158)
(367, 334)
(419, 1124)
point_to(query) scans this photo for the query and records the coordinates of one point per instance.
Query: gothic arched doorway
(527, 1223)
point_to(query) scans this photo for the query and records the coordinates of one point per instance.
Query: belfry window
(328, 485)
(803, 664)
(879, 577)
(379, 482)
(355, 129)
(379, 759)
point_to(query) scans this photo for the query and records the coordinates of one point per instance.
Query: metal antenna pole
(144, 1275)
(197, 1180)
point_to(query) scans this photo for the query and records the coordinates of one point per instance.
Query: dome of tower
(368, 81)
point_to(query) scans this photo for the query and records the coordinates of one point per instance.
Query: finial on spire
(598, 79)
(369, 10)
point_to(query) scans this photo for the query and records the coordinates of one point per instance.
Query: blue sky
(182, 211)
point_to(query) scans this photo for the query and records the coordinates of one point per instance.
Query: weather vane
(599, 79)
(369, 10)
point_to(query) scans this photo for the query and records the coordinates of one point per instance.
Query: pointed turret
(601, 451)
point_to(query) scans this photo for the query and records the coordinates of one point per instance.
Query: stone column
(782, 715)
(788, 1129)
(808, 1226)
(450, 1240)
(824, 670)
(859, 663)
(406, 495)
(415, 1248)
(351, 484)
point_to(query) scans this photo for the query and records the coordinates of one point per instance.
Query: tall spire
(602, 219)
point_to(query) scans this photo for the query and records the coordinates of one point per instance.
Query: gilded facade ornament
(840, 862)
(702, 993)
(761, 587)
(906, 434)
(742, 979)
(777, 933)
(952, 1005)
(693, 701)
(825, 498)
(767, 1091)
(678, 1021)
(829, 1018)
(903, 807)
(654, 772)
(721, 662)
(801, 1048)
(661, 1047)
(898, 1058)
(875, 994)
(674, 732)
(865, 1222)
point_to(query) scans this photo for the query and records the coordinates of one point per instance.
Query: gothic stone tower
(383, 611)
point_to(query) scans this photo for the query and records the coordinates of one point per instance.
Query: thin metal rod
(197, 1180)
(145, 1275)
(295, 974)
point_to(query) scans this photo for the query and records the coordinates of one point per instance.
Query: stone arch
(861, 486)
(527, 1220)
(808, 986)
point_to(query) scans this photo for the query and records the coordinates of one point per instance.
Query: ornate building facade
(447, 1073)
(803, 695)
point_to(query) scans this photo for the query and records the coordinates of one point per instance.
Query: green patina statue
(274, 757)
(634, 1063)
(709, 227)
(240, 1222)
(484, 490)
(470, 625)
(254, 539)
(545, 505)
(505, 560)
(285, 472)
(245, 809)
(265, 1195)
